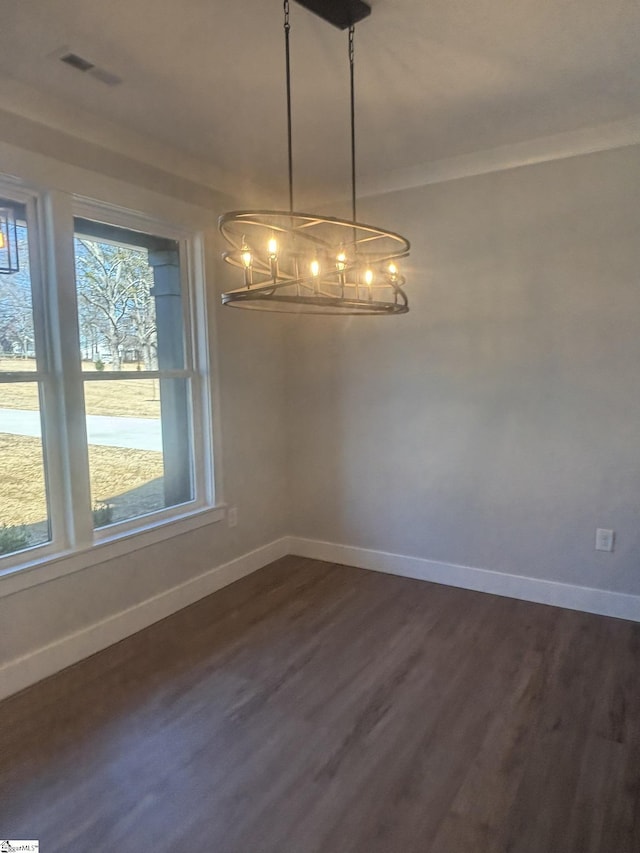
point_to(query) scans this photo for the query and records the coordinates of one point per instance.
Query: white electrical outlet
(604, 540)
(232, 516)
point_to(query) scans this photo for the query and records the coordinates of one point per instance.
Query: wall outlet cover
(604, 539)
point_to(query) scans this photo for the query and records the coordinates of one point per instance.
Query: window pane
(17, 345)
(129, 299)
(24, 518)
(139, 446)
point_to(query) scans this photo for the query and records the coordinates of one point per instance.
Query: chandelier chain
(353, 123)
(287, 28)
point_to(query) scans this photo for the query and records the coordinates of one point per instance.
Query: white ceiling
(435, 78)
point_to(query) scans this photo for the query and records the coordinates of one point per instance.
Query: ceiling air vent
(77, 62)
(87, 67)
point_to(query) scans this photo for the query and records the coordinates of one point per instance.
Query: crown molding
(28, 103)
(588, 140)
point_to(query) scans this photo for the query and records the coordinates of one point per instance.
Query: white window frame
(74, 542)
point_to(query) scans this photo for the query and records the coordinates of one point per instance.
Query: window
(24, 507)
(103, 409)
(136, 383)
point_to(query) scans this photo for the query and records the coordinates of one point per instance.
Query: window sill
(42, 569)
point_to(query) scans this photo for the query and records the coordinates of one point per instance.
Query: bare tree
(114, 295)
(143, 322)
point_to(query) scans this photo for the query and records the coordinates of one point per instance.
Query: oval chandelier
(307, 263)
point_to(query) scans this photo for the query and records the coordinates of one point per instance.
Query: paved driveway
(136, 433)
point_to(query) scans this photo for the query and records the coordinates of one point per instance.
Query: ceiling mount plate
(340, 13)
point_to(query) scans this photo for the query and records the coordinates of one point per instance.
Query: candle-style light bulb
(272, 248)
(314, 266)
(3, 242)
(341, 263)
(392, 269)
(247, 259)
(368, 280)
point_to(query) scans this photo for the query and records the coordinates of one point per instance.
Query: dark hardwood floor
(313, 707)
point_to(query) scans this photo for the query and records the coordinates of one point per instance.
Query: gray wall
(497, 424)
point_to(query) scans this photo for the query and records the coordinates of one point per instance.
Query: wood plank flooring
(313, 707)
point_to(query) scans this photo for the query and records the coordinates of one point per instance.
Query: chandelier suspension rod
(287, 27)
(353, 124)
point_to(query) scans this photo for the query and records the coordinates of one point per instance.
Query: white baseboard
(27, 670)
(600, 601)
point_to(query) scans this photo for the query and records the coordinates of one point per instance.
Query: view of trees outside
(117, 330)
(116, 310)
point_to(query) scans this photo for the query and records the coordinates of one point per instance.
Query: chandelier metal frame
(307, 263)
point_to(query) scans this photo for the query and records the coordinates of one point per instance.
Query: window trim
(44, 568)
(42, 376)
(51, 251)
